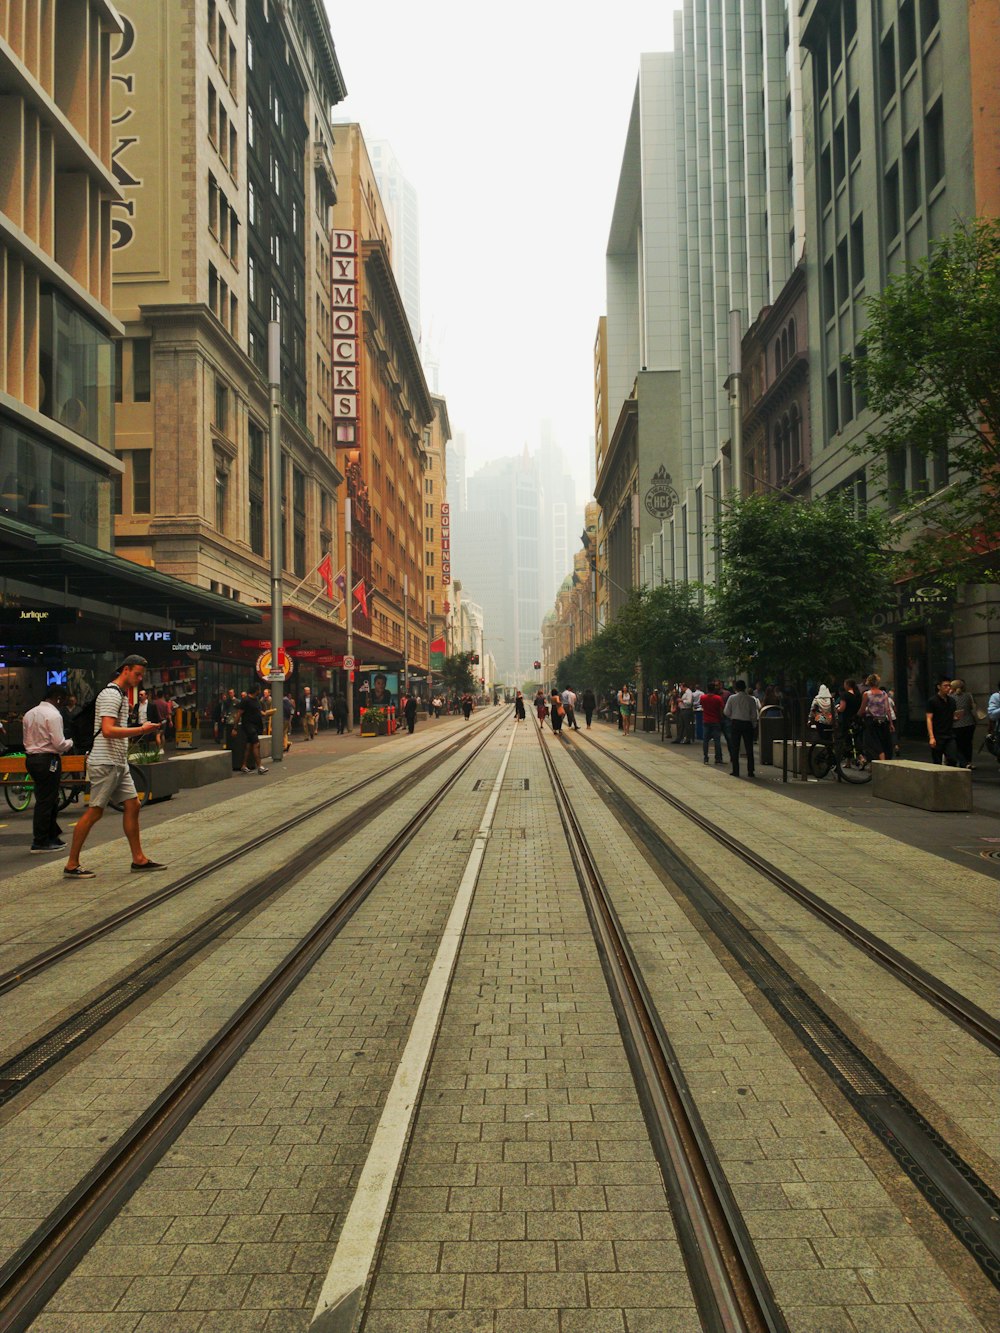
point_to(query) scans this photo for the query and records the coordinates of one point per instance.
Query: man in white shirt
(44, 745)
(685, 716)
(569, 703)
(742, 710)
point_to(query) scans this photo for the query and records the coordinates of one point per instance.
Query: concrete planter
(163, 779)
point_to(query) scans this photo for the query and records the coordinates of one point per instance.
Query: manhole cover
(508, 784)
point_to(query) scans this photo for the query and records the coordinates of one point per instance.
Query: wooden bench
(14, 769)
(925, 786)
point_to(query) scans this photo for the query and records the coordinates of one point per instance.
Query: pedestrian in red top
(711, 717)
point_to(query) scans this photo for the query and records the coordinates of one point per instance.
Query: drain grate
(508, 784)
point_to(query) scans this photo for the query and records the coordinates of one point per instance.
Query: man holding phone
(107, 767)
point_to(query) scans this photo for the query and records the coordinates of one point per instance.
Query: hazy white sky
(510, 121)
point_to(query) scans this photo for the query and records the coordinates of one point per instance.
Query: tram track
(964, 1201)
(34, 966)
(727, 1278)
(34, 1272)
(963, 1011)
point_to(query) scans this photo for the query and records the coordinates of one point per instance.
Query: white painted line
(352, 1259)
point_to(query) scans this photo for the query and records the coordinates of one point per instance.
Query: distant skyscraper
(403, 209)
(455, 471)
(562, 515)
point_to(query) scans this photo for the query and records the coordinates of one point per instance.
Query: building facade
(70, 608)
(222, 114)
(402, 208)
(437, 523)
(381, 422)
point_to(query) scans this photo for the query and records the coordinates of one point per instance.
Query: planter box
(202, 767)
(163, 778)
(925, 786)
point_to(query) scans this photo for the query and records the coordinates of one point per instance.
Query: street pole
(406, 633)
(277, 540)
(349, 604)
(735, 403)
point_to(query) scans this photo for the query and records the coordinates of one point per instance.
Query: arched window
(791, 337)
(784, 347)
(777, 357)
(779, 471)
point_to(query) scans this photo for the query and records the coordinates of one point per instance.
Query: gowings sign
(661, 496)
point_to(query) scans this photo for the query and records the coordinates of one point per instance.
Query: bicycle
(18, 787)
(841, 752)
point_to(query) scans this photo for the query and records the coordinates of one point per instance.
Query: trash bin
(649, 724)
(237, 747)
(771, 730)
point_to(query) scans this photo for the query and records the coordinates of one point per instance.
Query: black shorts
(252, 735)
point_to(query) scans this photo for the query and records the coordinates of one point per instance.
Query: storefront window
(48, 489)
(77, 365)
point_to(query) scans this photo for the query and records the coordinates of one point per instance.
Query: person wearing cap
(44, 745)
(108, 771)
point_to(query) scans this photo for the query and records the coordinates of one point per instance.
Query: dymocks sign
(346, 364)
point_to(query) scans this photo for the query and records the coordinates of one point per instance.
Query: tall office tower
(561, 514)
(455, 456)
(402, 207)
(499, 543)
(708, 218)
(224, 112)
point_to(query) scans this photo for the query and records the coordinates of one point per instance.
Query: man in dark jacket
(410, 712)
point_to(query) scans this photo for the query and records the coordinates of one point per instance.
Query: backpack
(878, 706)
(84, 726)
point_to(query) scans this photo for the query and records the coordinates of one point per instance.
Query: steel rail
(42, 961)
(727, 1278)
(33, 1274)
(975, 1020)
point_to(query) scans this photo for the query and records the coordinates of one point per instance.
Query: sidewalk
(304, 756)
(966, 839)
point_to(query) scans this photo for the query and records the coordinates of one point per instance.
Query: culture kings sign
(445, 544)
(346, 317)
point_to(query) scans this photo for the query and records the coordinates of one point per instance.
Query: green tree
(799, 584)
(456, 674)
(930, 370)
(676, 641)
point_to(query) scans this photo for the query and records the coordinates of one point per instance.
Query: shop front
(918, 648)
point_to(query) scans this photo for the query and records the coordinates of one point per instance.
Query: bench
(13, 770)
(925, 786)
(199, 768)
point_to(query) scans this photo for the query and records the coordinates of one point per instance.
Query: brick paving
(530, 1198)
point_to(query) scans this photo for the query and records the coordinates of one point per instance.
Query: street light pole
(349, 604)
(277, 540)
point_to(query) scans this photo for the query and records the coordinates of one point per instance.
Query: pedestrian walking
(940, 714)
(589, 703)
(45, 743)
(309, 714)
(519, 706)
(742, 710)
(252, 725)
(466, 706)
(437, 704)
(557, 711)
(876, 715)
(107, 768)
(542, 708)
(685, 715)
(339, 709)
(569, 703)
(965, 721)
(288, 713)
(711, 720)
(324, 711)
(410, 712)
(626, 700)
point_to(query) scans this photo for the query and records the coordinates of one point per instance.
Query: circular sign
(264, 667)
(348, 663)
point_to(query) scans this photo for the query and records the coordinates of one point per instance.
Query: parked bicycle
(840, 750)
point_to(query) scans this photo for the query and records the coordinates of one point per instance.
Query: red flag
(325, 572)
(362, 596)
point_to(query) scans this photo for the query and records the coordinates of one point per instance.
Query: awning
(71, 570)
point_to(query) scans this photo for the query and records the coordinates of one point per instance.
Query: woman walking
(625, 702)
(877, 716)
(558, 712)
(965, 721)
(541, 707)
(519, 707)
(589, 703)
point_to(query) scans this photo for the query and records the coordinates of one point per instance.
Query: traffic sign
(348, 662)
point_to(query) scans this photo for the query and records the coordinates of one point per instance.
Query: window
(887, 66)
(213, 289)
(141, 379)
(298, 522)
(825, 179)
(839, 156)
(833, 402)
(930, 14)
(119, 372)
(896, 479)
(221, 497)
(251, 204)
(141, 487)
(891, 201)
(858, 251)
(907, 36)
(251, 128)
(213, 204)
(255, 438)
(791, 337)
(853, 128)
(850, 20)
(221, 417)
(934, 145)
(250, 52)
(911, 176)
(213, 113)
(251, 279)
(843, 272)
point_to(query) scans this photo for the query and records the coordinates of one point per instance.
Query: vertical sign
(445, 544)
(345, 336)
